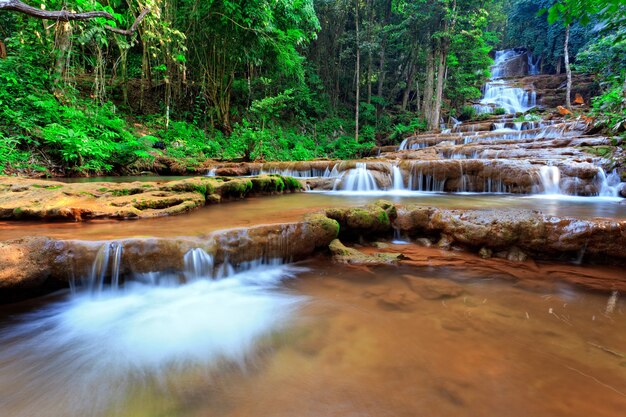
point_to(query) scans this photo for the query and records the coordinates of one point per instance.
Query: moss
(120, 193)
(17, 211)
(268, 184)
(47, 187)
(236, 188)
(103, 189)
(292, 184)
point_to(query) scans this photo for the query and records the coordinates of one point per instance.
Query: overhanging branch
(66, 16)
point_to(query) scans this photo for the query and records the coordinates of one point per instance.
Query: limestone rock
(48, 200)
(344, 254)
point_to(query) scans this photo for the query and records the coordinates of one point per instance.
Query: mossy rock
(268, 184)
(236, 188)
(362, 220)
(328, 228)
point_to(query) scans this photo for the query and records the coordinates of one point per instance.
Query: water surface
(292, 207)
(330, 341)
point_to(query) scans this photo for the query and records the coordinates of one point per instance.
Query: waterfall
(608, 185)
(550, 179)
(500, 94)
(198, 264)
(358, 179)
(212, 172)
(298, 173)
(533, 65)
(107, 263)
(398, 181)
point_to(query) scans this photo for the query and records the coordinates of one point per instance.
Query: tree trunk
(383, 44)
(63, 38)
(357, 74)
(369, 51)
(3, 50)
(409, 84)
(441, 75)
(429, 85)
(568, 71)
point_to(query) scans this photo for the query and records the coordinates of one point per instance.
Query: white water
(608, 184)
(550, 180)
(500, 94)
(96, 347)
(359, 179)
(398, 181)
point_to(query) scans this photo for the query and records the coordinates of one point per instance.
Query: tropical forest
(236, 208)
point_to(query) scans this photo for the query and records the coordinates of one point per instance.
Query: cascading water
(533, 65)
(358, 179)
(99, 347)
(500, 93)
(608, 184)
(398, 181)
(550, 180)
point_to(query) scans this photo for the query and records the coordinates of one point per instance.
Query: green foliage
(499, 111)
(401, 131)
(610, 108)
(467, 113)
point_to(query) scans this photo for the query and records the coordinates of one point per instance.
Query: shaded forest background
(272, 80)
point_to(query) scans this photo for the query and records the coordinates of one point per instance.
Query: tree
(67, 16)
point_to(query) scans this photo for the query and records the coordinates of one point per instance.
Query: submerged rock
(433, 289)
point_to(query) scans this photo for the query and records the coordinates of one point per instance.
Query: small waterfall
(533, 65)
(398, 181)
(358, 179)
(107, 263)
(299, 173)
(198, 264)
(212, 172)
(550, 179)
(608, 184)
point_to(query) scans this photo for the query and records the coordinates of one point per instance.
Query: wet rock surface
(25, 199)
(31, 262)
(519, 233)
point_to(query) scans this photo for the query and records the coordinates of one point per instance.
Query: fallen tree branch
(66, 16)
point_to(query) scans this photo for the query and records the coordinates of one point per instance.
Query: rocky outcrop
(28, 263)
(532, 232)
(47, 200)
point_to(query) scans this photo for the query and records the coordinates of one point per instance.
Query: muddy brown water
(292, 207)
(445, 334)
(426, 341)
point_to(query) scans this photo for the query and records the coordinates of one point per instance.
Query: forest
(93, 87)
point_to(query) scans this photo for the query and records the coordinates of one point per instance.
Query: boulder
(358, 221)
